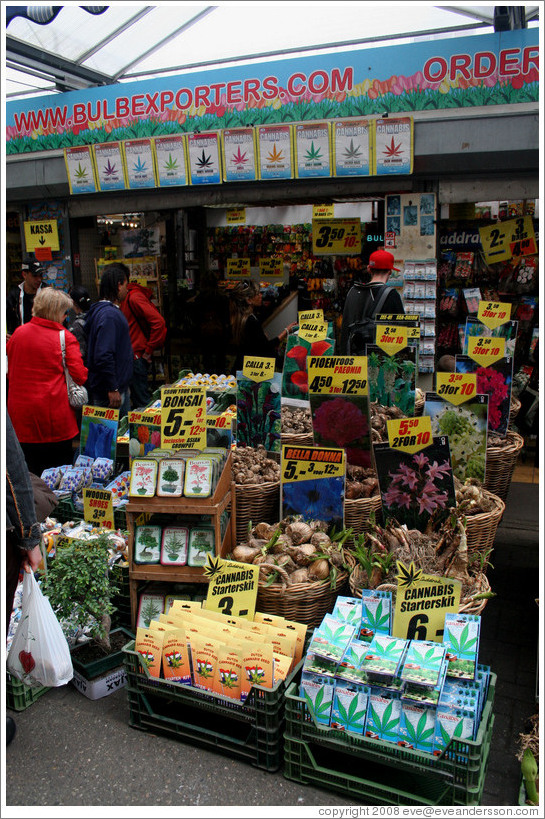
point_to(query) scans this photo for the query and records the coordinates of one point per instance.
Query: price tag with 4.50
(183, 417)
(338, 375)
(410, 434)
(456, 388)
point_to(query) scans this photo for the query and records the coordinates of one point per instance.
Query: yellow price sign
(236, 216)
(494, 313)
(456, 388)
(391, 338)
(41, 234)
(310, 315)
(410, 434)
(306, 463)
(509, 239)
(313, 330)
(323, 211)
(98, 507)
(258, 369)
(339, 237)
(412, 332)
(338, 375)
(183, 417)
(422, 601)
(232, 587)
(485, 350)
(397, 318)
(238, 269)
(271, 269)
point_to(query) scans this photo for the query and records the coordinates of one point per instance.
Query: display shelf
(222, 500)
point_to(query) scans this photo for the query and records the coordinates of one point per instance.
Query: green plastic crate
(65, 510)
(458, 770)
(96, 668)
(252, 731)
(19, 696)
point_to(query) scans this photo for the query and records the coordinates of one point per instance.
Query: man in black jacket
(21, 296)
(380, 266)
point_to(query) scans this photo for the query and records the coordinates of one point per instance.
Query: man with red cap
(365, 301)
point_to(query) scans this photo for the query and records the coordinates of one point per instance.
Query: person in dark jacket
(82, 302)
(109, 348)
(20, 298)
(248, 336)
(380, 266)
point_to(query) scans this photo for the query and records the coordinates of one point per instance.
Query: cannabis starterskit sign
(232, 587)
(483, 70)
(422, 601)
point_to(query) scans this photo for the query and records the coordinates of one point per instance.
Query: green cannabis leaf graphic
(204, 161)
(313, 153)
(81, 173)
(171, 164)
(352, 152)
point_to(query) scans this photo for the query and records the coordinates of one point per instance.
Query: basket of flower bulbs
(442, 552)
(302, 567)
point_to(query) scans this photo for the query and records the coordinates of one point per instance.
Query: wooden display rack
(224, 497)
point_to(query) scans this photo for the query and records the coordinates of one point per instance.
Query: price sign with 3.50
(336, 237)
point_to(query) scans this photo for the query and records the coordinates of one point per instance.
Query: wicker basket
(419, 404)
(481, 529)
(514, 409)
(258, 503)
(302, 602)
(467, 604)
(297, 439)
(500, 464)
(357, 513)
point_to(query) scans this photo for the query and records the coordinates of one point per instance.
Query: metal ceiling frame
(71, 75)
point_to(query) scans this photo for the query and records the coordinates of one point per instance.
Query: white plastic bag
(39, 653)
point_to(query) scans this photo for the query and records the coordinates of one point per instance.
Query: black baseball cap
(35, 268)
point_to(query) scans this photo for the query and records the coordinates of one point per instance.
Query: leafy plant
(81, 589)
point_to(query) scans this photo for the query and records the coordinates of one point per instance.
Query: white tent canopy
(83, 46)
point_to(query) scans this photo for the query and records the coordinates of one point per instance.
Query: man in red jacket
(148, 332)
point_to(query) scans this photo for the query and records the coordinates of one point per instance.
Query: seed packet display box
(170, 511)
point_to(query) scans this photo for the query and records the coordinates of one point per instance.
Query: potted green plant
(80, 589)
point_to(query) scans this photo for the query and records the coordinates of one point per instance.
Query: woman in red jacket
(44, 421)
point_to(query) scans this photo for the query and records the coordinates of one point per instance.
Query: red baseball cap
(382, 260)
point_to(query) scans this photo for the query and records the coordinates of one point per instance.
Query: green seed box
(459, 768)
(252, 731)
(19, 696)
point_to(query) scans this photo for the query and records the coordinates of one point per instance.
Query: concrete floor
(71, 751)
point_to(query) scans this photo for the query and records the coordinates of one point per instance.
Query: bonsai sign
(232, 587)
(98, 507)
(183, 417)
(422, 601)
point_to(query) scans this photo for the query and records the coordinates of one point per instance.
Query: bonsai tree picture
(80, 587)
(170, 476)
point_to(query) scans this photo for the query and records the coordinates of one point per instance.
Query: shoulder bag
(77, 394)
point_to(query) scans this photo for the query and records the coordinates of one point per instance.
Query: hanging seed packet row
(494, 380)
(467, 428)
(173, 545)
(415, 487)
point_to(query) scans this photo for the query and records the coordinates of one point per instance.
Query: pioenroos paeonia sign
(492, 69)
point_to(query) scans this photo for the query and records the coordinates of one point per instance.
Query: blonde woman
(44, 421)
(247, 334)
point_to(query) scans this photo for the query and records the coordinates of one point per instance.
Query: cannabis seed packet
(495, 381)
(258, 412)
(508, 331)
(343, 421)
(466, 426)
(392, 378)
(416, 487)
(298, 349)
